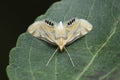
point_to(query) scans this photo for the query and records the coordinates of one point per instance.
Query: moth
(60, 34)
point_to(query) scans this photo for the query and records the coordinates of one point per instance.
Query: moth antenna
(70, 57)
(51, 57)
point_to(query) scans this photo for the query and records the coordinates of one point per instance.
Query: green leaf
(96, 56)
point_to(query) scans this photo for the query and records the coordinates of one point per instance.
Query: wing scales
(78, 29)
(42, 31)
(72, 31)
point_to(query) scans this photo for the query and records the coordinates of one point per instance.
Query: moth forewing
(85, 26)
(34, 29)
(43, 31)
(78, 29)
(60, 34)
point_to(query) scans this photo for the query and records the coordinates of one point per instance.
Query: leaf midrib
(102, 46)
(96, 53)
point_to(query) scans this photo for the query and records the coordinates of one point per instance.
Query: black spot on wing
(49, 23)
(71, 21)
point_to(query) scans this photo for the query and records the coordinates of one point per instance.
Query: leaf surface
(96, 55)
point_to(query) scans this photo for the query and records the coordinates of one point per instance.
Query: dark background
(15, 17)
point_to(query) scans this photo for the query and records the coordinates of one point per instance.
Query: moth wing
(79, 28)
(41, 30)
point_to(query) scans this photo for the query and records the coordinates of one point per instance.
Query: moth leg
(51, 57)
(70, 57)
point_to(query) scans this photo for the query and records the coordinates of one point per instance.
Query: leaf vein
(106, 75)
(87, 66)
(91, 8)
(96, 53)
(86, 43)
(112, 10)
(30, 64)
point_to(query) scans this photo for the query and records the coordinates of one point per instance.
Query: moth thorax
(60, 30)
(59, 27)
